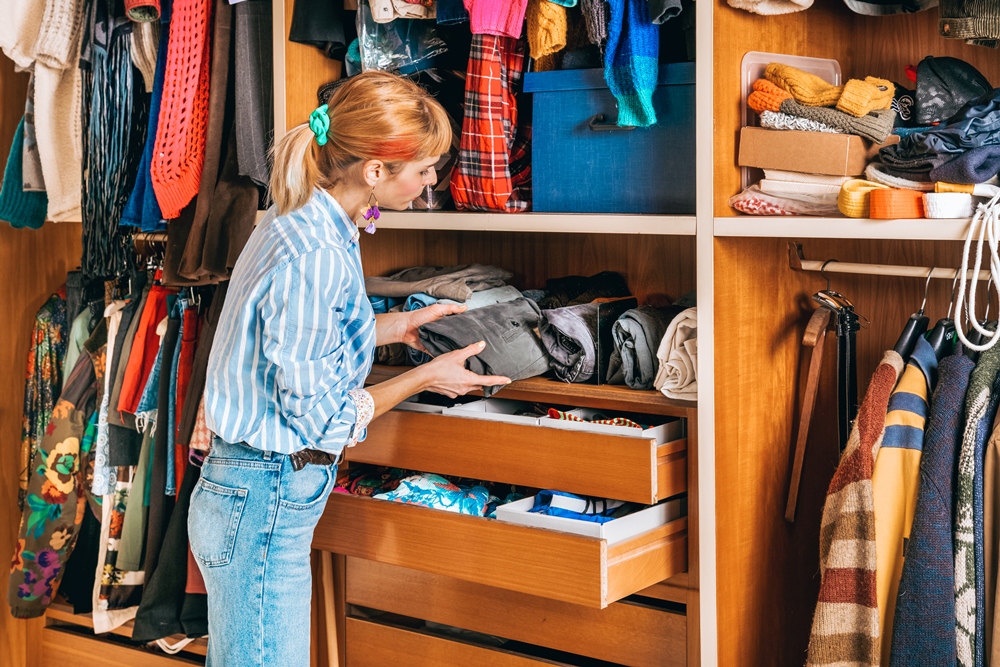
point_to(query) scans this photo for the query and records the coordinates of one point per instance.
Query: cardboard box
(807, 152)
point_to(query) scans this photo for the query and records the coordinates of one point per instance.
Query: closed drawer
(560, 566)
(636, 635)
(591, 464)
(68, 647)
(372, 644)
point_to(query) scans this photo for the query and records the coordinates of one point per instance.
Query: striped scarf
(845, 628)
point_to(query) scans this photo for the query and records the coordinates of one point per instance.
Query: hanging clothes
(896, 479)
(845, 626)
(55, 503)
(970, 586)
(490, 174)
(44, 380)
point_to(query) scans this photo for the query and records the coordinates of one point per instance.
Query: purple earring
(372, 214)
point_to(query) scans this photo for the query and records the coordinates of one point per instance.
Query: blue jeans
(251, 526)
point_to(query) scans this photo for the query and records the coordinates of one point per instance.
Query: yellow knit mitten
(861, 97)
(546, 28)
(807, 88)
(766, 96)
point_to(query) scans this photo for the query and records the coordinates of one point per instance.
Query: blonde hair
(373, 116)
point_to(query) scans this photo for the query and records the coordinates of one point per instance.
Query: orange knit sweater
(180, 135)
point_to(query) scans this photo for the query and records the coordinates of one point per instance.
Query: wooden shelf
(545, 390)
(581, 223)
(62, 613)
(810, 227)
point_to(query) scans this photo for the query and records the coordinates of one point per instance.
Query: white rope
(985, 225)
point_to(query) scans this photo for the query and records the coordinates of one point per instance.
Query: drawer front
(560, 566)
(62, 647)
(629, 634)
(372, 644)
(590, 464)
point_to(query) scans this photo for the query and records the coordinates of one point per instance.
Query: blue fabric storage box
(581, 162)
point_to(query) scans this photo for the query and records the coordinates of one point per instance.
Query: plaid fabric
(492, 172)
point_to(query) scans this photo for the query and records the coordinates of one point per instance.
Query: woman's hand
(447, 374)
(405, 327)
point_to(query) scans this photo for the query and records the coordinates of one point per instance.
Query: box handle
(599, 124)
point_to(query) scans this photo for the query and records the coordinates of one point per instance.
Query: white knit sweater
(47, 34)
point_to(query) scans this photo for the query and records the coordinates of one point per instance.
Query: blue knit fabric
(171, 486)
(924, 622)
(20, 208)
(142, 210)
(631, 61)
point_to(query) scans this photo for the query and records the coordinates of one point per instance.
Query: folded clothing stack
(790, 193)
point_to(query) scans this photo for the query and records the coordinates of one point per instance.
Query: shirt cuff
(365, 406)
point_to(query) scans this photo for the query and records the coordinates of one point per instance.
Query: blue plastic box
(581, 162)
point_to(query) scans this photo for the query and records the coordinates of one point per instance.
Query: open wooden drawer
(556, 565)
(591, 464)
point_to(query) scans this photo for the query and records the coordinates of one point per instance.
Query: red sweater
(180, 135)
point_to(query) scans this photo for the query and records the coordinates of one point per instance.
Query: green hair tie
(319, 123)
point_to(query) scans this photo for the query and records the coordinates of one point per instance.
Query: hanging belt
(846, 326)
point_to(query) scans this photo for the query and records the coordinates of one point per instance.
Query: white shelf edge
(566, 223)
(809, 227)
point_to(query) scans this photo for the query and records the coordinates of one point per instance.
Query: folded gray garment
(569, 336)
(512, 348)
(637, 335)
(452, 282)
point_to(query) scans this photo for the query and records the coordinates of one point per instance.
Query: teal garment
(564, 3)
(18, 207)
(631, 61)
(78, 334)
(133, 538)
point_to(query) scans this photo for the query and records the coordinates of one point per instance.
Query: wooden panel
(60, 647)
(33, 264)
(624, 633)
(545, 390)
(586, 571)
(653, 266)
(375, 645)
(767, 569)
(548, 458)
(306, 69)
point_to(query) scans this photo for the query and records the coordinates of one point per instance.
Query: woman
(285, 389)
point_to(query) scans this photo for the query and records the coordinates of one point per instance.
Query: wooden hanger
(814, 338)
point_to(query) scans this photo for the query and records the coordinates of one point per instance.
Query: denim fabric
(171, 416)
(251, 524)
(637, 335)
(450, 12)
(382, 304)
(570, 337)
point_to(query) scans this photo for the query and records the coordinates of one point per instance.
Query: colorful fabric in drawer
(598, 510)
(436, 492)
(610, 421)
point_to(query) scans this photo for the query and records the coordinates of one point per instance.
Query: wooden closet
(767, 570)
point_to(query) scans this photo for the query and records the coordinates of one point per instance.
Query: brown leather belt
(317, 457)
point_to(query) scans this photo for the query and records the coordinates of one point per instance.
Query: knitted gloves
(856, 97)
(546, 28)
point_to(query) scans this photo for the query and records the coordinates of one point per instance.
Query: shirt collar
(343, 225)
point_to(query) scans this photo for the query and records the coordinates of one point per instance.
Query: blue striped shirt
(296, 334)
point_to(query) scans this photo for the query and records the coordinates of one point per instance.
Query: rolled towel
(855, 197)
(569, 336)
(637, 333)
(948, 205)
(677, 376)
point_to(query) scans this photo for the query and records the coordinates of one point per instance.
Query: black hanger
(942, 336)
(974, 335)
(915, 327)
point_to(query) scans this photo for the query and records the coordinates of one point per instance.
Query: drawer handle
(599, 124)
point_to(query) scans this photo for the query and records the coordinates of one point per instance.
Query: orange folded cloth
(892, 204)
(766, 96)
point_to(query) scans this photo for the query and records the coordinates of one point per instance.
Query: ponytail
(296, 169)
(374, 115)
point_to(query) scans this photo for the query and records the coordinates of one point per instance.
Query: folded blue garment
(543, 505)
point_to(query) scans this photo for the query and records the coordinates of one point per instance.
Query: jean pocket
(307, 488)
(215, 517)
